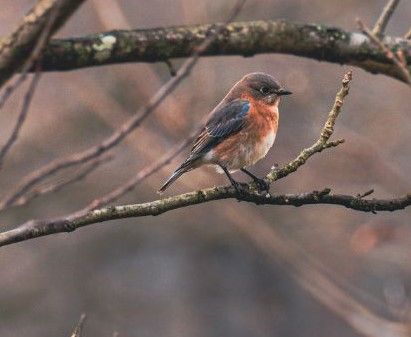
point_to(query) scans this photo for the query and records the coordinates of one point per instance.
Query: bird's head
(261, 87)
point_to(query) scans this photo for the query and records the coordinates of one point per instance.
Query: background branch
(316, 41)
(385, 16)
(78, 330)
(16, 48)
(399, 62)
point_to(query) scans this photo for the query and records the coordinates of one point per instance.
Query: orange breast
(253, 142)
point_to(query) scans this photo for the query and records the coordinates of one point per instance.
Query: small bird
(239, 131)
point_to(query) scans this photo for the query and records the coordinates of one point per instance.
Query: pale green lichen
(104, 47)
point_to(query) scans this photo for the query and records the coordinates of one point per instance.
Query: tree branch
(319, 42)
(323, 141)
(398, 58)
(385, 16)
(78, 330)
(36, 228)
(16, 48)
(55, 187)
(21, 117)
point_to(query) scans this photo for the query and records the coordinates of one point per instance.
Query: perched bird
(239, 131)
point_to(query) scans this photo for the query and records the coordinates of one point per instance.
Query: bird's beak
(283, 92)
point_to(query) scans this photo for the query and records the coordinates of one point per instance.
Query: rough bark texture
(314, 41)
(16, 48)
(37, 228)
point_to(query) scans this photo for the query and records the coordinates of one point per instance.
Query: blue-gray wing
(223, 123)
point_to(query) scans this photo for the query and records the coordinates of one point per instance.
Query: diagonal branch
(140, 176)
(400, 63)
(16, 48)
(129, 126)
(385, 16)
(78, 330)
(315, 41)
(55, 187)
(22, 116)
(323, 141)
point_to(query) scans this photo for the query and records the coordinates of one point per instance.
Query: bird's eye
(265, 90)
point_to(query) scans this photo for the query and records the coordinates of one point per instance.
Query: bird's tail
(183, 168)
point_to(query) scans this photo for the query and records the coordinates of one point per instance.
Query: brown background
(190, 272)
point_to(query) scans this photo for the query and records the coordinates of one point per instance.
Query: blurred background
(223, 268)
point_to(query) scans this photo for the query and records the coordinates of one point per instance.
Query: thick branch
(314, 41)
(35, 228)
(16, 48)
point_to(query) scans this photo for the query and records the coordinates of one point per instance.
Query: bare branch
(37, 192)
(32, 60)
(97, 150)
(400, 64)
(36, 228)
(78, 330)
(16, 48)
(315, 41)
(365, 194)
(385, 16)
(140, 176)
(34, 57)
(21, 117)
(408, 35)
(323, 141)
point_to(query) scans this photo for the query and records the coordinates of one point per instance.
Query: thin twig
(170, 67)
(365, 194)
(37, 192)
(21, 117)
(95, 151)
(323, 141)
(35, 55)
(140, 176)
(408, 35)
(16, 48)
(385, 16)
(401, 66)
(78, 330)
(32, 61)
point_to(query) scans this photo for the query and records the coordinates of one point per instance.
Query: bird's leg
(262, 185)
(235, 184)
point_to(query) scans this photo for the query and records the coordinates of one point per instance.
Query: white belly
(248, 153)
